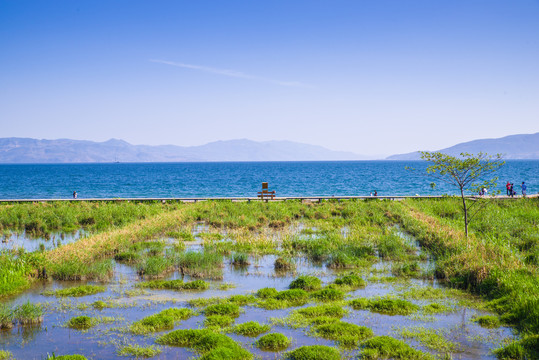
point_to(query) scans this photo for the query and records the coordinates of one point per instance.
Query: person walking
(74, 194)
(512, 190)
(508, 188)
(524, 188)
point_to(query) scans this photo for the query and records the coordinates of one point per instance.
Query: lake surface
(229, 179)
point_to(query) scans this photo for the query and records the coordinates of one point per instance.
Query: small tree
(469, 173)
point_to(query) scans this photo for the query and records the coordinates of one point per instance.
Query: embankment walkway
(248, 199)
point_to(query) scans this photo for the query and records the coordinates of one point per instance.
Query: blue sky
(372, 77)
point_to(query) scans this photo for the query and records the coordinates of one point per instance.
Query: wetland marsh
(231, 280)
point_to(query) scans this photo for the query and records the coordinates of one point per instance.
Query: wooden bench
(265, 193)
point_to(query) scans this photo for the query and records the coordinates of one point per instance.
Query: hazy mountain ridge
(522, 146)
(27, 150)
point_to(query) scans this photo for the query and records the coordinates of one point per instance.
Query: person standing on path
(74, 194)
(508, 188)
(524, 188)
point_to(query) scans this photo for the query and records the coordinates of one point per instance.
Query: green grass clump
(128, 256)
(77, 270)
(175, 285)
(435, 308)
(240, 259)
(5, 355)
(306, 282)
(138, 351)
(164, 320)
(100, 305)
(328, 294)
(430, 338)
(293, 296)
(241, 300)
(284, 264)
(385, 347)
(273, 342)
(212, 345)
(251, 329)
(67, 357)
(387, 306)
(488, 321)
(406, 270)
(334, 311)
(81, 323)
(347, 334)
(313, 352)
(351, 280)
(523, 349)
(77, 291)
(267, 293)
(231, 310)
(218, 321)
(204, 264)
(7, 316)
(28, 313)
(393, 247)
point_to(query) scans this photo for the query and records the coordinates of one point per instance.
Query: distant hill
(26, 150)
(524, 146)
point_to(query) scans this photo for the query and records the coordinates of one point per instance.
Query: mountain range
(26, 150)
(522, 146)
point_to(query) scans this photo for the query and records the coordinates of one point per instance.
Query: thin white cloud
(232, 73)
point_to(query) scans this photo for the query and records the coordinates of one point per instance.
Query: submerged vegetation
(355, 242)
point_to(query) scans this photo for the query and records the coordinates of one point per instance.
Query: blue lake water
(227, 179)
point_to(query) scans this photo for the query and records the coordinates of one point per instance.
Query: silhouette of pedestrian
(74, 194)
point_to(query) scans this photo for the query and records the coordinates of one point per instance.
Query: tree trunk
(465, 211)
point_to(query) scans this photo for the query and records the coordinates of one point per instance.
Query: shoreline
(314, 198)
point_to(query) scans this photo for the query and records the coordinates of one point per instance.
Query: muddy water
(132, 304)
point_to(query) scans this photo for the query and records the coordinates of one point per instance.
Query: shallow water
(26, 241)
(103, 341)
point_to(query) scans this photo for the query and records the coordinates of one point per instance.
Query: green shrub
(273, 342)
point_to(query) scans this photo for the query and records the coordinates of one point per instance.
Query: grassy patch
(251, 329)
(5, 355)
(334, 311)
(306, 282)
(387, 306)
(351, 280)
(430, 338)
(138, 351)
(211, 345)
(231, 310)
(347, 334)
(28, 313)
(204, 264)
(273, 342)
(328, 294)
(165, 320)
(436, 308)
(284, 264)
(175, 285)
(488, 321)
(385, 347)
(218, 322)
(77, 291)
(526, 348)
(313, 352)
(80, 323)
